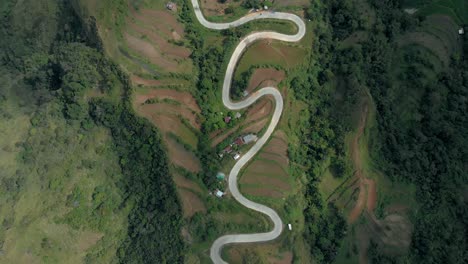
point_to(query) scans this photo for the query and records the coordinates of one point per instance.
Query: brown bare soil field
(182, 157)
(164, 46)
(278, 146)
(371, 194)
(183, 182)
(260, 110)
(147, 50)
(88, 239)
(184, 98)
(163, 21)
(138, 80)
(256, 126)
(265, 77)
(360, 204)
(355, 156)
(191, 203)
(165, 108)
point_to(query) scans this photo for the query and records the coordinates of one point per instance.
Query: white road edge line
(215, 252)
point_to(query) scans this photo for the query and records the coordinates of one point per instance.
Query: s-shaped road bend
(215, 252)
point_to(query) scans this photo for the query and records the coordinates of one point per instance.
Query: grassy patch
(456, 9)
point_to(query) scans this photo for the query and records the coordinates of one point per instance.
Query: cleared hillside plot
(266, 253)
(255, 120)
(190, 193)
(267, 175)
(182, 157)
(271, 52)
(264, 77)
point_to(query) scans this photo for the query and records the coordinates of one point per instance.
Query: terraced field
(267, 175)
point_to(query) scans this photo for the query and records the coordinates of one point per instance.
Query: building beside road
(249, 138)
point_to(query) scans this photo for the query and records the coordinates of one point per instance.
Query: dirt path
(367, 197)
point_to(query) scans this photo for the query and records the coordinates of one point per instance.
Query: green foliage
(155, 221)
(252, 4)
(65, 72)
(420, 124)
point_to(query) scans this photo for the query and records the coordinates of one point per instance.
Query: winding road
(215, 252)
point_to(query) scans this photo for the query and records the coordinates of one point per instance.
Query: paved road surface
(215, 252)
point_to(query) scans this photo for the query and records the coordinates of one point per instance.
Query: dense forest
(58, 57)
(422, 126)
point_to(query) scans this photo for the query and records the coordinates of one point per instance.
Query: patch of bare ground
(183, 182)
(168, 108)
(255, 127)
(276, 145)
(87, 239)
(356, 158)
(394, 231)
(146, 82)
(163, 45)
(163, 21)
(184, 98)
(147, 50)
(260, 110)
(182, 157)
(191, 203)
(265, 77)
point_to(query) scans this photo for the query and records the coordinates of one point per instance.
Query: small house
(236, 156)
(461, 31)
(289, 227)
(219, 193)
(227, 119)
(220, 176)
(238, 115)
(245, 93)
(227, 149)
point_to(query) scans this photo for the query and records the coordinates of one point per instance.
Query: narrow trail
(215, 252)
(367, 188)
